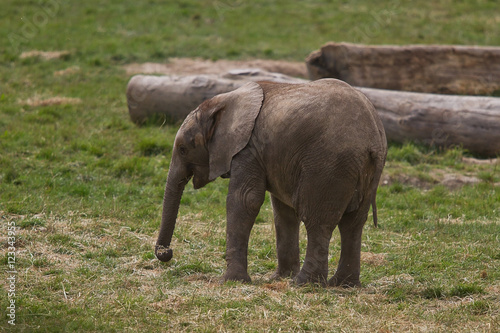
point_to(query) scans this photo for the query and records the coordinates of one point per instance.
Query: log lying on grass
(441, 120)
(464, 70)
(471, 122)
(176, 96)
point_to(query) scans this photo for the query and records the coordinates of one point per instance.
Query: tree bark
(463, 70)
(441, 120)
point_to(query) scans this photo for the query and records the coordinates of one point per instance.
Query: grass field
(84, 186)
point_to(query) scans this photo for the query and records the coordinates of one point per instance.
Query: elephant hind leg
(319, 226)
(287, 239)
(351, 228)
(315, 267)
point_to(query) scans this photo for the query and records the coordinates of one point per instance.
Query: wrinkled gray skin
(319, 149)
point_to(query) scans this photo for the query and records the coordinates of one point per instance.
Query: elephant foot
(236, 276)
(348, 282)
(284, 274)
(276, 276)
(304, 278)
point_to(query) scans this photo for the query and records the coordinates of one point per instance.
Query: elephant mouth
(199, 182)
(200, 177)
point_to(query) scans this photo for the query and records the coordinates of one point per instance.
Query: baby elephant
(318, 148)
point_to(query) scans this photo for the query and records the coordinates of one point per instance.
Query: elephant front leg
(243, 204)
(287, 240)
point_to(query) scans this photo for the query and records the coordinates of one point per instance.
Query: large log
(463, 70)
(176, 96)
(441, 120)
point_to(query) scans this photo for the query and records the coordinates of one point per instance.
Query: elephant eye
(182, 150)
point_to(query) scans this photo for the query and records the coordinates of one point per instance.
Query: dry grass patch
(67, 71)
(375, 259)
(107, 269)
(46, 55)
(37, 101)
(476, 161)
(450, 219)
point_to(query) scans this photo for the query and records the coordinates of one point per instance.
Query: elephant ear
(232, 118)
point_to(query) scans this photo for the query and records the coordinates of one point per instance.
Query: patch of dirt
(46, 55)
(387, 180)
(277, 285)
(58, 100)
(193, 66)
(451, 181)
(454, 181)
(446, 177)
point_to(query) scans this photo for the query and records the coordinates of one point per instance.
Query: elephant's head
(203, 149)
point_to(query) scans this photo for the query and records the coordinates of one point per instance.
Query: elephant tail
(379, 166)
(374, 210)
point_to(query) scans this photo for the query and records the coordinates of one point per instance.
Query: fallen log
(463, 70)
(440, 120)
(176, 96)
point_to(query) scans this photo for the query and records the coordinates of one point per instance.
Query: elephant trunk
(177, 179)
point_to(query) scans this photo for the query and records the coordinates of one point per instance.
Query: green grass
(84, 185)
